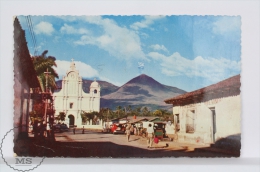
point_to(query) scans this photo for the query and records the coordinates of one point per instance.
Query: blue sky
(188, 52)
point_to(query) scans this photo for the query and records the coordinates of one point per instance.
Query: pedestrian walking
(131, 129)
(83, 130)
(74, 129)
(150, 134)
(128, 132)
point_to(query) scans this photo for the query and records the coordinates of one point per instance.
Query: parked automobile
(64, 127)
(56, 127)
(117, 128)
(60, 127)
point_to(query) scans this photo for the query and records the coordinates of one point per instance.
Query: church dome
(94, 84)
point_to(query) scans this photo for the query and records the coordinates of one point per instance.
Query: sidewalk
(201, 148)
(188, 147)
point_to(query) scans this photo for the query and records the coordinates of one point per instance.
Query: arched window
(95, 91)
(71, 105)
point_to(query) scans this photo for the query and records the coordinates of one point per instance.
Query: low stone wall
(99, 127)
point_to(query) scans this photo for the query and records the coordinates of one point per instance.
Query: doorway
(72, 120)
(214, 128)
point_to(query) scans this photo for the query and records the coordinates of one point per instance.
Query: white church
(72, 100)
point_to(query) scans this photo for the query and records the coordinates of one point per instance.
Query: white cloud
(227, 24)
(44, 28)
(85, 70)
(71, 30)
(158, 47)
(148, 20)
(119, 41)
(211, 69)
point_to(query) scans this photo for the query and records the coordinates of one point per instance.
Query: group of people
(151, 137)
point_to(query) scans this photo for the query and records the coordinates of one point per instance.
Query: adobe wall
(227, 121)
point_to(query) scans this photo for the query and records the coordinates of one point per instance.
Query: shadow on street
(109, 149)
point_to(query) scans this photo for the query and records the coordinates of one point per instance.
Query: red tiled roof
(141, 118)
(222, 86)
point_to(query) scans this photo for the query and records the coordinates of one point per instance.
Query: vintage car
(159, 129)
(117, 128)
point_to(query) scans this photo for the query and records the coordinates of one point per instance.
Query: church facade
(72, 100)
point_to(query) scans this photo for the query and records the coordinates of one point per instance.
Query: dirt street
(98, 144)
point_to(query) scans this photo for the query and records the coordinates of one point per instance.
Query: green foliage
(163, 114)
(38, 111)
(60, 117)
(35, 117)
(41, 64)
(108, 114)
(84, 118)
(94, 116)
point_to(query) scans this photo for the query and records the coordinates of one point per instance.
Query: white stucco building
(210, 114)
(72, 100)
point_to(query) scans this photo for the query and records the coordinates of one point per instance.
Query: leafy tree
(94, 116)
(163, 114)
(41, 64)
(60, 117)
(158, 113)
(38, 111)
(84, 117)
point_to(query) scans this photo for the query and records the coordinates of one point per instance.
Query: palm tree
(137, 111)
(118, 110)
(43, 63)
(145, 111)
(106, 113)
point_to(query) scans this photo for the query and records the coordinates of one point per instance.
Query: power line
(31, 31)
(27, 20)
(35, 53)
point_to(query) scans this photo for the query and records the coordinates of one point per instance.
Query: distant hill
(106, 87)
(141, 91)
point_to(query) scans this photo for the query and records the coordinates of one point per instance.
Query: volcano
(142, 90)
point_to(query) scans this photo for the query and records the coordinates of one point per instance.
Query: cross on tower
(72, 59)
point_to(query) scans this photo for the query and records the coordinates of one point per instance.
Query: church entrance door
(72, 120)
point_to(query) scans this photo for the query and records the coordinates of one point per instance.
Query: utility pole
(46, 76)
(46, 100)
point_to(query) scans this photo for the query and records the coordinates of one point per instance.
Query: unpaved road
(98, 144)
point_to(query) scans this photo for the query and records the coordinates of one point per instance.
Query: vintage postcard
(127, 86)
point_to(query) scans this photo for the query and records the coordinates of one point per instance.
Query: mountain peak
(143, 75)
(142, 90)
(143, 79)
